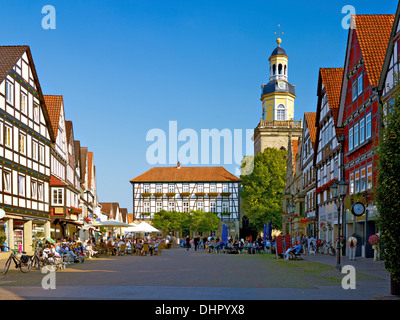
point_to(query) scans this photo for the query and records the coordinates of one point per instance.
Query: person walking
(196, 242)
(187, 243)
(352, 246)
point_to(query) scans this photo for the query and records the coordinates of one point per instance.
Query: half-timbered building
(359, 115)
(308, 170)
(65, 210)
(25, 143)
(209, 189)
(328, 158)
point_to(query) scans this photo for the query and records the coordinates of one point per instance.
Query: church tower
(277, 122)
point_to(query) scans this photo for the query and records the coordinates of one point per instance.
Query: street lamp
(338, 192)
(291, 211)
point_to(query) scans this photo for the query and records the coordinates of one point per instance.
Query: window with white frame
(360, 84)
(158, 206)
(41, 153)
(351, 182)
(34, 150)
(281, 113)
(185, 188)
(9, 92)
(146, 207)
(171, 206)
(225, 206)
(36, 112)
(40, 191)
(356, 136)
(8, 136)
(6, 181)
(362, 130)
(357, 182)
(369, 177)
(368, 126)
(200, 187)
(57, 196)
(212, 188)
(22, 142)
(213, 207)
(225, 188)
(363, 184)
(351, 139)
(146, 188)
(21, 186)
(34, 190)
(159, 188)
(354, 90)
(171, 188)
(186, 207)
(200, 206)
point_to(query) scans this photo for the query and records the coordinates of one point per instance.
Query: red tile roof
(56, 182)
(312, 129)
(373, 32)
(53, 104)
(9, 56)
(186, 174)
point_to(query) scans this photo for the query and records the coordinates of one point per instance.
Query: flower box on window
(200, 194)
(146, 194)
(185, 194)
(158, 194)
(225, 194)
(213, 194)
(170, 194)
(75, 211)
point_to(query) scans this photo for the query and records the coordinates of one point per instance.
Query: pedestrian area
(179, 274)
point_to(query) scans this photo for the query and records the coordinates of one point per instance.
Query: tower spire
(279, 40)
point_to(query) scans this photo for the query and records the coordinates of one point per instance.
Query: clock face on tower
(281, 85)
(358, 209)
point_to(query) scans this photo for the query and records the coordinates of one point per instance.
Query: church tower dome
(278, 95)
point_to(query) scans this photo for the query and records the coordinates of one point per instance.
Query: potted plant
(374, 241)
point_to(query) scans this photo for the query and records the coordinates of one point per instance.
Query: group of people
(211, 244)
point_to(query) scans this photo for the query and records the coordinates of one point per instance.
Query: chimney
(178, 165)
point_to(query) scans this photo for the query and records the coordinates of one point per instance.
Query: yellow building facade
(277, 121)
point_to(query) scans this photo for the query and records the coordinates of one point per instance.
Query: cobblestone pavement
(197, 275)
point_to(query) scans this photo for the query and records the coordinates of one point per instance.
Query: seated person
(296, 248)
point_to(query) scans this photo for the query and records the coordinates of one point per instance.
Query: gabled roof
(9, 56)
(311, 124)
(373, 32)
(389, 50)
(109, 208)
(54, 104)
(68, 129)
(186, 174)
(124, 214)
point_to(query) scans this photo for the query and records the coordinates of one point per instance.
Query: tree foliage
(262, 188)
(198, 221)
(388, 187)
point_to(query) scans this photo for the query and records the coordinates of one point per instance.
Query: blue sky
(126, 67)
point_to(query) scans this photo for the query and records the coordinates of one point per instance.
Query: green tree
(203, 221)
(387, 188)
(262, 188)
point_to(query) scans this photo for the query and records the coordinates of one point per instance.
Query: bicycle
(37, 262)
(24, 264)
(330, 249)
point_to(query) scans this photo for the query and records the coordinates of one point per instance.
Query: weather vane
(279, 40)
